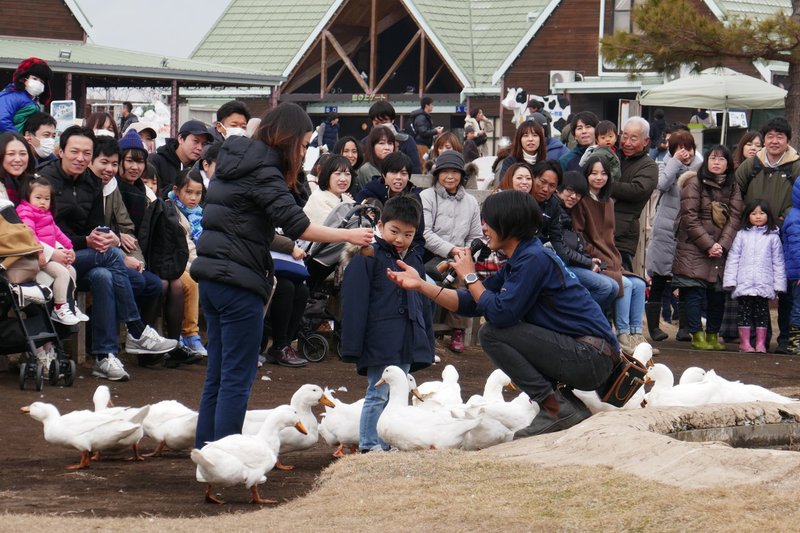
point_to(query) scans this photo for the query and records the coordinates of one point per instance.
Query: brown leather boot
(285, 356)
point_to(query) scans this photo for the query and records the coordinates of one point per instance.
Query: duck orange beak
(26, 409)
(417, 395)
(301, 428)
(380, 382)
(512, 387)
(326, 401)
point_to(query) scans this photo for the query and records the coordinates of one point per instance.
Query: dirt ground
(34, 479)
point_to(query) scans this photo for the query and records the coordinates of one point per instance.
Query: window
(623, 21)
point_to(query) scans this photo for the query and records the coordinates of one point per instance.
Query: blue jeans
(146, 286)
(112, 297)
(715, 307)
(374, 403)
(602, 288)
(795, 314)
(235, 318)
(629, 308)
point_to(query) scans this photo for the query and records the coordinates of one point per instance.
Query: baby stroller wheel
(23, 375)
(69, 375)
(315, 347)
(54, 373)
(39, 377)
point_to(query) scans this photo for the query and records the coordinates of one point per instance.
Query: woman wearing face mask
(25, 95)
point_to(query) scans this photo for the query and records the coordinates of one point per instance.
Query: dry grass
(458, 491)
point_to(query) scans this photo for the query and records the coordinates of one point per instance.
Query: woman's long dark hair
(5, 178)
(375, 135)
(334, 163)
(96, 121)
(342, 142)
(605, 192)
(529, 126)
(723, 151)
(284, 128)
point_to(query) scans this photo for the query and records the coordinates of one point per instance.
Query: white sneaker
(64, 316)
(110, 368)
(83, 317)
(149, 343)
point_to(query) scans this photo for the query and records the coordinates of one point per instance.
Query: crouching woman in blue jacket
(542, 326)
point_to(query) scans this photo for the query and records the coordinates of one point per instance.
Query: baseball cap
(195, 127)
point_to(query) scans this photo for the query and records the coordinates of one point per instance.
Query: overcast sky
(168, 27)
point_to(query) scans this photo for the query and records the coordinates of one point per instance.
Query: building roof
(474, 37)
(758, 9)
(86, 58)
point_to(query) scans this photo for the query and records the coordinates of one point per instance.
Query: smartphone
(102, 229)
(603, 265)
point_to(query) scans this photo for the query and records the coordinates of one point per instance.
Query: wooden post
(373, 46)
(173, 109)
(350, 66)
(68, 87)
(499, 129)
(421, 64)
(323, 75)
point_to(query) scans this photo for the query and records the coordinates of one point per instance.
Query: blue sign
(331, 109)
(461, 109)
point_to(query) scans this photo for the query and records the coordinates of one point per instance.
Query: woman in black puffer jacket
(250, 196)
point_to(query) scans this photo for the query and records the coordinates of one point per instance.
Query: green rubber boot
(712, 339)
(699, 341)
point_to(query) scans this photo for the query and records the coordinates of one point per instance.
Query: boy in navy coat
(385, 325)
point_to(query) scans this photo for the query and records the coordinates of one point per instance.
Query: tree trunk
(793, 94)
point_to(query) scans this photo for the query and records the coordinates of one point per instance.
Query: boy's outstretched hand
(407, 278)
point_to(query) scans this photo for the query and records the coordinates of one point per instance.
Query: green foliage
(671, 33)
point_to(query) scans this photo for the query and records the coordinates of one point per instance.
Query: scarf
(194, 215)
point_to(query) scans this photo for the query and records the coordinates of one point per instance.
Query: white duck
(172, 425)
(733, 391)
(245, 458)
(436, 394)
(306, 397)
(412, 428)
(340, 424)
(493, 389)
(642, 353)
(693, 374)
(85, 430)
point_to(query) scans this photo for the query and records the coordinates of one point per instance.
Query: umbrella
(716, 88)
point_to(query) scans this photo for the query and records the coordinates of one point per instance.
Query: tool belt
(626, 378)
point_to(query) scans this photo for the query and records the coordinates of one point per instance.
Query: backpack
(163, 240)
(409, 128)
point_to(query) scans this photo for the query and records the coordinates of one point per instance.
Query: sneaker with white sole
(83, 317)
(193, 345)
(64, 315)
(149, 343)
(110, 368)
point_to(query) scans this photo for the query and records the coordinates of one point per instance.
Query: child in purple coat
(755, 272)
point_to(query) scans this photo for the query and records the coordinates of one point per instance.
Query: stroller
(322, 314)
(25, 324)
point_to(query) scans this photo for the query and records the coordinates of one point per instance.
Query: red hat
(33, 66)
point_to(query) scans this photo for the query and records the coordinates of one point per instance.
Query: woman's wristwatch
(470, 278)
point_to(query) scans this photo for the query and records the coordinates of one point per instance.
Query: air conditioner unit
(561, 76)
(680, 72)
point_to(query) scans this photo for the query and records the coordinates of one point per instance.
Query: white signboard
(64, 111)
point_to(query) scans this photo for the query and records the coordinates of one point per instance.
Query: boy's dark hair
(76, 131)
(676, 126)
(777, 124)
(342, 142)
(186, 176)
(150, 172)
(229, 108)
(128, 106)
(334, 163)
(29, 182)
(764, 205)
(211, 152)
(605, 126)
(105, 145)
(512, 214)
(426, 100)
(403, 208)
(576, 181)
(382, 110)
(36, 121)
(543, 166)
(587, 117)
(395, 162)
(333, 115)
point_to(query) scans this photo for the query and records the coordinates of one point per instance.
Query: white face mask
(233, 132)
(46, 147)
(34, 87)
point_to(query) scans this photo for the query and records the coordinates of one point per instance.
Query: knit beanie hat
(576, 181)
(33, 66)
(449, 159)
(131, 141)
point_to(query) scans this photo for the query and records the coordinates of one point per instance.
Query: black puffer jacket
(79, 201)
(246, 201)
(573, 251)
(168, 165)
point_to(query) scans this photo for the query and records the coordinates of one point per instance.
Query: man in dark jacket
(328, 132)
(179, 154)
(97, 258)
(126, 117)
(382, 113)
(631, 193)
(422, 125)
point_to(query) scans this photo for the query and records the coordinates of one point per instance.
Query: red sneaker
(457, 340)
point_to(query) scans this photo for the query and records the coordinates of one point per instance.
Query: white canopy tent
(716, 88)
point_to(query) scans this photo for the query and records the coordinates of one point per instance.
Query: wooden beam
(373, 45)
(350, 66)
(336, 78)
(308, 70)
(433, 78)
(421, 64)
(68, 87)
(323, 74)
(397, 61)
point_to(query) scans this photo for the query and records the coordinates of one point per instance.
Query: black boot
(652, 311)
(571, 411)
(683, 326)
